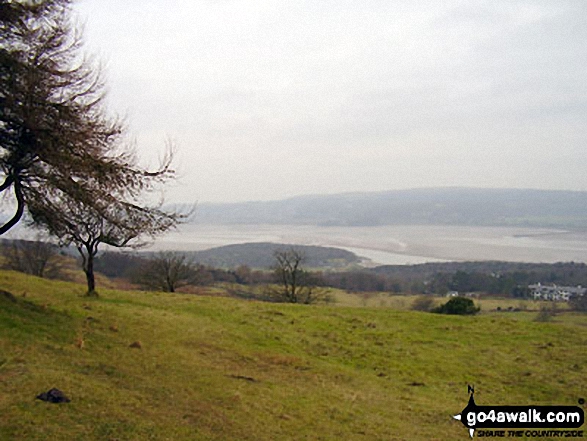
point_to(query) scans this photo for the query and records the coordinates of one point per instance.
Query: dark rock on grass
(242, 377)
(53, 396)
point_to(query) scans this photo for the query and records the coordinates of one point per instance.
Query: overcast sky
(270, 99)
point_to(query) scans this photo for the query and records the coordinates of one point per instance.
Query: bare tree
(54, 134)
(57, 144)
(168, 271)
(296, 285)
(61, 156)
(38, 258)
(111, 221)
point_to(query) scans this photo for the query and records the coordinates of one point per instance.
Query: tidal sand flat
(403, 244)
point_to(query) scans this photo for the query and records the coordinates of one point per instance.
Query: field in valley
(214, 368)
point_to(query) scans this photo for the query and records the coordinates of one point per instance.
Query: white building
(556, 293)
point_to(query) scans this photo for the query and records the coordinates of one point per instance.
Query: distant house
(475, 295)
(556, 293)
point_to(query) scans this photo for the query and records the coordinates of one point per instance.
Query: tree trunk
(89, 270)
(88, 267)
(19, 204)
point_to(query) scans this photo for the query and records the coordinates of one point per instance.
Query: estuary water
(397, 245)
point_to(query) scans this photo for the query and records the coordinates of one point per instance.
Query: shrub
(423, 303)
(579, 303)
(458, 306)
(546, 313)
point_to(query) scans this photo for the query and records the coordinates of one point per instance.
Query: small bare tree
(107, 220)
(296, 285)
(423, 303)
(167, 271)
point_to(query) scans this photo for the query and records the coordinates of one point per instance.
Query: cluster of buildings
(556, 293)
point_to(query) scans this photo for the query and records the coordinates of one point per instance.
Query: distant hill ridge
(432, 206)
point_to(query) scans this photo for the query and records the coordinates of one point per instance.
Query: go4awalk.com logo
(522, 421)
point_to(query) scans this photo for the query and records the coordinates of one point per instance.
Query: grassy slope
(224, 369)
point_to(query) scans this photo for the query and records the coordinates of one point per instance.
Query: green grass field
(213, 368)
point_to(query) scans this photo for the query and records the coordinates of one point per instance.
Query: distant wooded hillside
(440, 206)
(261, 255)
(509, 278)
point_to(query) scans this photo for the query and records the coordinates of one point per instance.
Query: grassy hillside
(223, 369)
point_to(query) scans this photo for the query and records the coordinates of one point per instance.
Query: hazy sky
(269, 99)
